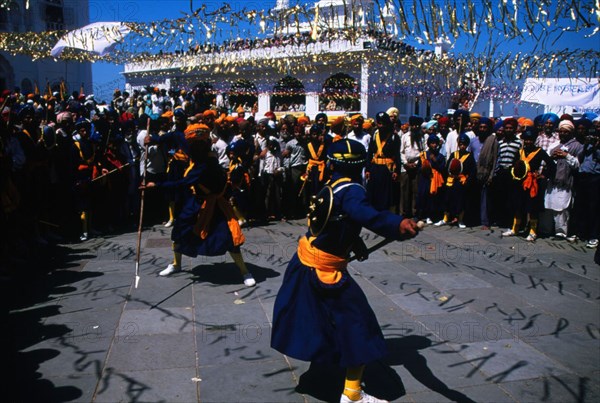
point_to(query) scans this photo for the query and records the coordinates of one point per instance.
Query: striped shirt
(508, 152)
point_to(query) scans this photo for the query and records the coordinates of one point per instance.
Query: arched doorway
(243, 93)
(7, 74)
(288, 95)
(340, 93)
(26, 86)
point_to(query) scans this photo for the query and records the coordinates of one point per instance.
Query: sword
(361, 252)
(110, 172)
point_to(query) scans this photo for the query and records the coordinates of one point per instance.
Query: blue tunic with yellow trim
(219, 240)
(332, 323)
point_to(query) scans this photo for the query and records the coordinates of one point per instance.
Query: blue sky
(107, 77)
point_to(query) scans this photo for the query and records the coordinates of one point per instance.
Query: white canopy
(575, 92)
(99, 37)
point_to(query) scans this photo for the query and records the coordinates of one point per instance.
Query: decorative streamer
(231, 41)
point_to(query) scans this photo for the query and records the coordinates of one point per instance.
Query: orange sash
(327, 266)
(314, 160)
(207, 209)
(530, 182)
(88, 163)
(379, 158)
(437, 180)
(181, 156)
(462, 177)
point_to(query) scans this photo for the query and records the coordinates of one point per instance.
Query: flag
(99, 37)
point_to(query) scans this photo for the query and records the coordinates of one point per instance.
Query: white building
(337, 75)
(39, 16)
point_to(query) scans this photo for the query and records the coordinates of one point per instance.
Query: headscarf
(567, 125)
(393, 111)
(430, 124)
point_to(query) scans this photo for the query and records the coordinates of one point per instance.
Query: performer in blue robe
(206, 224)
(321, 314)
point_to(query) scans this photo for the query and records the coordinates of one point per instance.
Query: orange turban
(240, 109)
(230, 119)
(526, 122)
(338, 125)
(303, 119)
(353, 118)
(368, 125)
(167, 114)
(209, 112)
(197, 130)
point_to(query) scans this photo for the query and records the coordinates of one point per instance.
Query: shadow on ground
(326, 382)
(27, 295)
(228, 273)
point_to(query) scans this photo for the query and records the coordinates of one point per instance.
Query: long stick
(139, 243)
(110, 172)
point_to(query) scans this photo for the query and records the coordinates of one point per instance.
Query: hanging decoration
(224, 40)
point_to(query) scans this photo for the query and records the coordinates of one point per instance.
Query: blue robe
(219, 239)
(332, 323)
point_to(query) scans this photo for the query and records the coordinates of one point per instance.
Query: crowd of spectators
(71, 167)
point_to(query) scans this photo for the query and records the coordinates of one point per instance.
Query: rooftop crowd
(70, 167)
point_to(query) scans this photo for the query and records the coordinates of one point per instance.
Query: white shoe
(364, 398)
(249, 280)
(83, 237)
(170, 270)
(531, 237)
(510, 232)
(242, 223)
(428, 221)
(572, 238)
(560, 235)
(462, 225)
(440, 223)
(592, 243)
(169, 224)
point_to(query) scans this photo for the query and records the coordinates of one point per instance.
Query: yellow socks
(171, 211)
(516, 224)
(176, 257)
(352, 386)
(239, 261)
(533, 223)
(84, 222)
(446, 217)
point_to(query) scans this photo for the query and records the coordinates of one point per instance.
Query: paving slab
(165, 385)
(509, 360)
(135, 352)
(467, 315)
(257, 381)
